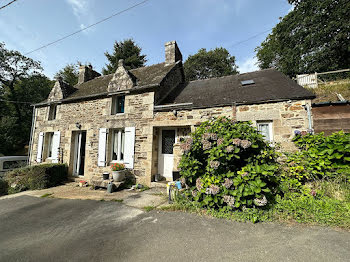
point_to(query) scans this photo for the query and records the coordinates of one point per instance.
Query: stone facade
(286, 117)
(95, 114)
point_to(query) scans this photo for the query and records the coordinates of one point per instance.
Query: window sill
(118, 114)
(116, 161)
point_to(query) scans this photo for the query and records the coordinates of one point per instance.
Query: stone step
(104, 183)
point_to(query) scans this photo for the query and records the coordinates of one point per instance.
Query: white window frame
(114, 105)
(117, 132)
(269, 123)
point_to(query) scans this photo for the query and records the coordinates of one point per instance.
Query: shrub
(3, 187)
(228, 165)
(36, 177)
(320, 156)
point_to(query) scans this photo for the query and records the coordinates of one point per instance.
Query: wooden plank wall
(331, 118)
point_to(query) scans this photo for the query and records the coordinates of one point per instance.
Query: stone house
(139, 116)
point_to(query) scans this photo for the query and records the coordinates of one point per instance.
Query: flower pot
(105, 176)
(118, 176)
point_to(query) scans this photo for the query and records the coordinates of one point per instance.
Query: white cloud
(248, 65)
(82, 11)
(80, 7)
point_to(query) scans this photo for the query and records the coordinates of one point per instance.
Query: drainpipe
(31, 136)
(308, 109)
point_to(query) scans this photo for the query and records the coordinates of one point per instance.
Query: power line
(7, 4)
(250, 38)
(87, 27)
(15, 102)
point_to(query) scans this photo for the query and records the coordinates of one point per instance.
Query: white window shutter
(40, 147)
(129, 147)
(55, 146)
(102, 139)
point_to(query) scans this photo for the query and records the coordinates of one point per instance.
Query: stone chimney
(86, 73)
(172, 53)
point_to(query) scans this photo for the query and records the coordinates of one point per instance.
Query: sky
(28, 24)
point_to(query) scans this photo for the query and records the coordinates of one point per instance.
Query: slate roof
(95, 86)
(145, 76)
(270, 85)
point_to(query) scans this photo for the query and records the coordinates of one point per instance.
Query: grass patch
(149, 208)
(327, 92)
(144, 188)
(117, 200)
(306, 209)
(47, 195)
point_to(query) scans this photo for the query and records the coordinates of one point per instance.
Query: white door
(79, 153)
(167, 138)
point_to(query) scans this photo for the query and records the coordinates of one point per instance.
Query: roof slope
(270, 85)
(145, 76)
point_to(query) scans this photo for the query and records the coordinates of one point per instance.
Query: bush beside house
(35, 177)
(231, 172)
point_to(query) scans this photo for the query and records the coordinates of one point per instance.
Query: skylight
(247, 82)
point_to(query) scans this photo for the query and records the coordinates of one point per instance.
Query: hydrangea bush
(228, 165)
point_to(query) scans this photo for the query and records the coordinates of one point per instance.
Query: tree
(127, 50)
(20, 81)
(206, 64)
(313, 37)
(69, 74)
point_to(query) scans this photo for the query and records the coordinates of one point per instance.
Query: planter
(118, 176)
(105, 176)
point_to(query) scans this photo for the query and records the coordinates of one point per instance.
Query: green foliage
(313, 37)
(69, 74)
(321, 157)
(228, 165)
(117, 200)
(3, 187)
(149, 208)
(207, 64)
(313, 210)
(36, 177)
(46, 195)
(127, 50)
(320, 209)
(20, 80)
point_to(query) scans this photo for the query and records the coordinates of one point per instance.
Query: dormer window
(118, 104)
(52, 112)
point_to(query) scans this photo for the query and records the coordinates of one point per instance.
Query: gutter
(308, 109)
(73, 99)
(30, 149)
(331, 103)
(190, 105)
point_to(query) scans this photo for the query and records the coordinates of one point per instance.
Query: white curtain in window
(122, 142)
(265, 131)
(115, 142)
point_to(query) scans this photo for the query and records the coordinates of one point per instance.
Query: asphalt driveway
(41, 229)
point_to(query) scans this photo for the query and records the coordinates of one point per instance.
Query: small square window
(118, 104)
(265, 128)
(52, 112)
